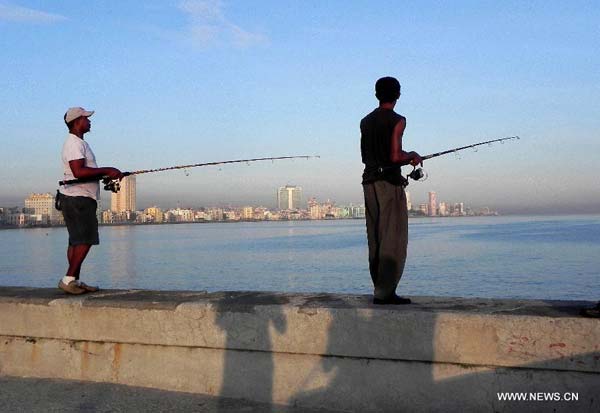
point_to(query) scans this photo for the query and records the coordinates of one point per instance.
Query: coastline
(416, 216)
(410, 217)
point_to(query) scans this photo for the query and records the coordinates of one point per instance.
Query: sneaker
(395, 300)
(88, 288)
(71, 288)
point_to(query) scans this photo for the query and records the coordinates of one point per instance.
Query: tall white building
(432, 204)
(125, 199)
(289, 197)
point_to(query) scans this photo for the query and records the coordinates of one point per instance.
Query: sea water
(496, 257)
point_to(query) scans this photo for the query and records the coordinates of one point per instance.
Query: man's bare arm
(80, 171)
(397, 154)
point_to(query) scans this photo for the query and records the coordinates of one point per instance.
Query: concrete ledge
(313, 350)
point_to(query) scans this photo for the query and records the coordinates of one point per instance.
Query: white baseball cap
(74, 113)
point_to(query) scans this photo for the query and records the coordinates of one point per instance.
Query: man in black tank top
(383, 186)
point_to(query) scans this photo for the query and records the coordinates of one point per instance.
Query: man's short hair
(387, 89)
(69, 124)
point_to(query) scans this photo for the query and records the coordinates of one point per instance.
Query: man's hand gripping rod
(113, 185)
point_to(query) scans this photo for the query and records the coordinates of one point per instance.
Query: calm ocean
(518, 257)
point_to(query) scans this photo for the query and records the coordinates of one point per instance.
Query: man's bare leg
(76, 254)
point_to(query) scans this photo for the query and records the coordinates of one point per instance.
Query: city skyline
(293, 80)
(126, 199)
(149, 199)
(39, 210)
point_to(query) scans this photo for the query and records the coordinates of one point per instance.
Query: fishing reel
(112, 185)
(418, 174)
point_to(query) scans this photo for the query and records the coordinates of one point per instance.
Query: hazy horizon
(146, 201)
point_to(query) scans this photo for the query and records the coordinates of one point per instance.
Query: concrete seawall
(312, 350)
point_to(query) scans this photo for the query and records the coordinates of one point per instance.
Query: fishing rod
(434, 155)
(113, 184)
(418, 173)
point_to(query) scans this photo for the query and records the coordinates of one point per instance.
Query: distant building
(107, 217)
(156, 214)
(125, 199)
(289, 197)
(19, 219)
(247, 212)
(314, 211)
(231, 215)
(262, 213)
(42, 205)
(215, 214)
(123, 217)
(356, 211)
(181, 215)
(408, 202)
(443, 209)
(199, 215)
(432, 204)
(329, 210)
(423, 208)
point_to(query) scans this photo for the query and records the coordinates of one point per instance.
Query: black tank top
(376, 130)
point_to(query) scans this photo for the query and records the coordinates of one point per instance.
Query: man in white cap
(78, 202)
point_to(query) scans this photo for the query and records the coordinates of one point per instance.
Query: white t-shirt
(76, 148)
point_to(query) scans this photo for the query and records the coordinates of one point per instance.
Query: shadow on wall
(416, 384)
(366, 332)
(250, 378)
(350, 335)
(376, 358)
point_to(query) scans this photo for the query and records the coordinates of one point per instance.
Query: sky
(180, 82)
